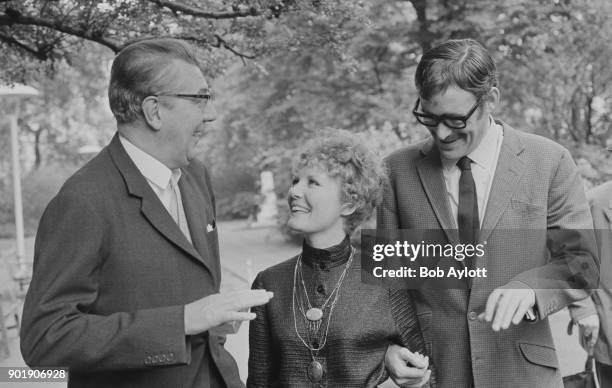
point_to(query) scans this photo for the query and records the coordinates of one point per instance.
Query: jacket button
(472, 316)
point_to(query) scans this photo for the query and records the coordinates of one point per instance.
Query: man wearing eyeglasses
(125, 289)
(520, 195)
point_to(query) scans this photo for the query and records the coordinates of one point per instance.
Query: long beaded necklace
(314, 316)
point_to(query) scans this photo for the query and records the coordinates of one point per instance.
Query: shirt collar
(484, 153)
(152, 169)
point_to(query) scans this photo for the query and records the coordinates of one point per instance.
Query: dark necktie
(467, 215)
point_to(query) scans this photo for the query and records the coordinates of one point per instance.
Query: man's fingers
(243, 300)
(589, 331)
(589, 338)
(240, 316)
(500, 309)
(509, 312)
(585, 340)
(520, 312)
(505, 309)
(491, 303)
(506, 306)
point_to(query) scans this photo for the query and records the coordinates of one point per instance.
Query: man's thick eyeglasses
(451, 121)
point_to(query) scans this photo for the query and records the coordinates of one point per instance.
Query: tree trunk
(420, 6)
(37, 153)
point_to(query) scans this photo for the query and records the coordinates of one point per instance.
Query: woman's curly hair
(361, 173)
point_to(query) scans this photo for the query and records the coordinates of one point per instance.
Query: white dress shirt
(484, 158)
(160, 179)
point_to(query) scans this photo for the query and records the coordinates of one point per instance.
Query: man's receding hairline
(174, 76)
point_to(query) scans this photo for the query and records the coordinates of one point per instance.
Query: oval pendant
(315, 371)
(314, 314)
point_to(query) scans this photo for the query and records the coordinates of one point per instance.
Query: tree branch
(97, 35)
(6, 20)
(222, 43)
(219, 43)
(14, 42)
(198, 12)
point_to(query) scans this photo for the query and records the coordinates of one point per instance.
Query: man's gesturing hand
(407, 369)
(214, 310)
(508, 304)
(589, 332)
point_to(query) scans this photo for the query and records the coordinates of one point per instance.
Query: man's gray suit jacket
(536, 190)
(112, 272)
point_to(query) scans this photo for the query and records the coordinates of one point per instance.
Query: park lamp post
(14, 93)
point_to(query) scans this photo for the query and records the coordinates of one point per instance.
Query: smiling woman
(324, 327)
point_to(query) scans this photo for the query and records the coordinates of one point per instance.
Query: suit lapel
(151, 207)
(510, 168)
(158, 216)
(197, 219)
(429, 169)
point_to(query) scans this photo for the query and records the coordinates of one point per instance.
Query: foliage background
(285, 70)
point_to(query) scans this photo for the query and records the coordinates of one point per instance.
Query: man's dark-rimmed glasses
(451, 121)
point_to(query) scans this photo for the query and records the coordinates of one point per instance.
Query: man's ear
(492, 99)
(150, 111)
(347, 209)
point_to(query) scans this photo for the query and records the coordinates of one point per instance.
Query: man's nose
(210, 112)
(442, 131)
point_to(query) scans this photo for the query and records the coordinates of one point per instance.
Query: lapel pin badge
(209, 228)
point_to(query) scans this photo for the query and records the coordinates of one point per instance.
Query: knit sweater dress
(360, 330)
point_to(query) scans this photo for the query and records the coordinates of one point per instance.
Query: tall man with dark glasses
(480, 181)
(125, 290)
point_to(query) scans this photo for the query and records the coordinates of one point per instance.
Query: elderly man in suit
(594, 315)
(480, 181)
(125, 289)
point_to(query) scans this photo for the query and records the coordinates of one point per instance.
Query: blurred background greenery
(285, 70)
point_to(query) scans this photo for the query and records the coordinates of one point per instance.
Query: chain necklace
(314, 314)
(314, 317)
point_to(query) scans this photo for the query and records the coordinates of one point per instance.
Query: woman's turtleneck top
(328, 257)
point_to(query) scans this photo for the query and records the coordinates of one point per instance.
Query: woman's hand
(407, 369)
